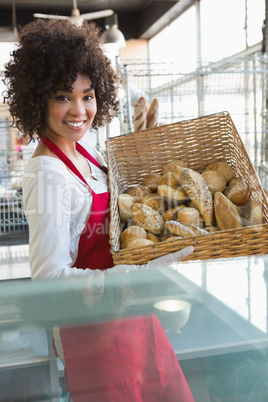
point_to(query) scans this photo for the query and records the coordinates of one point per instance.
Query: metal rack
(237, 85)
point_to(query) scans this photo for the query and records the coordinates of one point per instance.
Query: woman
(59, 85)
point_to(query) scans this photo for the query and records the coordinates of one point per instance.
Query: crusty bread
(252, 213)
(155, 201)
(197, 190)
(138, 192)
(172, 196)
(238, 193)
(215, 181)
(226, 214)
(184, 230)
(153, 238)
(222, 168)
(170, 214)
(189, 215)
(170, 166)
(151, 181)
(170, 179)
(140, 114)
(152, 114)
(124, 203)
(147, 218)
(132, 233)
(140, 243)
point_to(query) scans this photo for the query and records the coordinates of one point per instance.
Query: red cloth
(124, 360)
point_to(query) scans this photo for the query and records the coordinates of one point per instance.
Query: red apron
(124, 360)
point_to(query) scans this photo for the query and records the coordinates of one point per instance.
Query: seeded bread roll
(125, 201)
(140, 114)
(223, 169)
(147, 218)
(152, 114)
(155, 202)
(140, 243)
(215, 181)
(197, 190)
(132, 233)
(189, 215)
(170, 179)
(170, 166)
(226, 214)
(138, 192)
(151, 181)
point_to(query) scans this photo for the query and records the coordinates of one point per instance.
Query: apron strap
(61, 155)
(87, 155)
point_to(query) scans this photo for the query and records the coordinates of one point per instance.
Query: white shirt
(57, 205)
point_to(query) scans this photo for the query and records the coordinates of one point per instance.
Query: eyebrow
(69, 90)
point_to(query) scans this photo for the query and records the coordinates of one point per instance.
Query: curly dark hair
(50, 54)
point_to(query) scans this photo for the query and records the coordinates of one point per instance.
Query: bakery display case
(214, 313)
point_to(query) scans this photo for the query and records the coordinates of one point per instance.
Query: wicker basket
(199, 142)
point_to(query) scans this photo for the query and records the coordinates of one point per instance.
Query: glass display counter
(213, 312)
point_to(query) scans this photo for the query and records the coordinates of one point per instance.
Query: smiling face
(71, 111)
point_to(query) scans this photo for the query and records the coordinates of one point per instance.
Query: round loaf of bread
(138, 192)
(253, 213)
(215, 181)
(147, 218)
(131, 233)
(125, 201)
(190, 215)
(170, 166)
(238, 193)
(155, 201)
(151, 181)
(170, 179)
(223, 168)
(170, 214)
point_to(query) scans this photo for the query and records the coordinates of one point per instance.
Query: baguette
(184, 230)
(226, 214)
(152, 114)
(140, 115)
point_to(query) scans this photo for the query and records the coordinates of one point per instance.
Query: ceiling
(136, 18)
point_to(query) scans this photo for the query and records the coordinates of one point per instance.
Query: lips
(75, 124)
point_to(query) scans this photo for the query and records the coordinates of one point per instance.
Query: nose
(77, 108)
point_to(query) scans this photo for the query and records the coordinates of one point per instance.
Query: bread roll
(226, 214)
(172, 196)
(132, 233)
(151, 181)
(138, 192)
(147, 218)
(170, 214)
(140, 114)
(170, 179)
(170, 166)
(153, 238)
(140, 243)
(253, 213)
(124, 203)
(189, 215)
(184, 230)
(215, 181)
(197, 190)
(152, 114)
(155, 201)
(238, 193)
(222, 168)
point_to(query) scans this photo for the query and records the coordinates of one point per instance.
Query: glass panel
(213, 313)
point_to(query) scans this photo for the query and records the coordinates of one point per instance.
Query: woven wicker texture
(198, 142)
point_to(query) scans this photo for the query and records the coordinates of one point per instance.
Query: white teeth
(73, 124)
